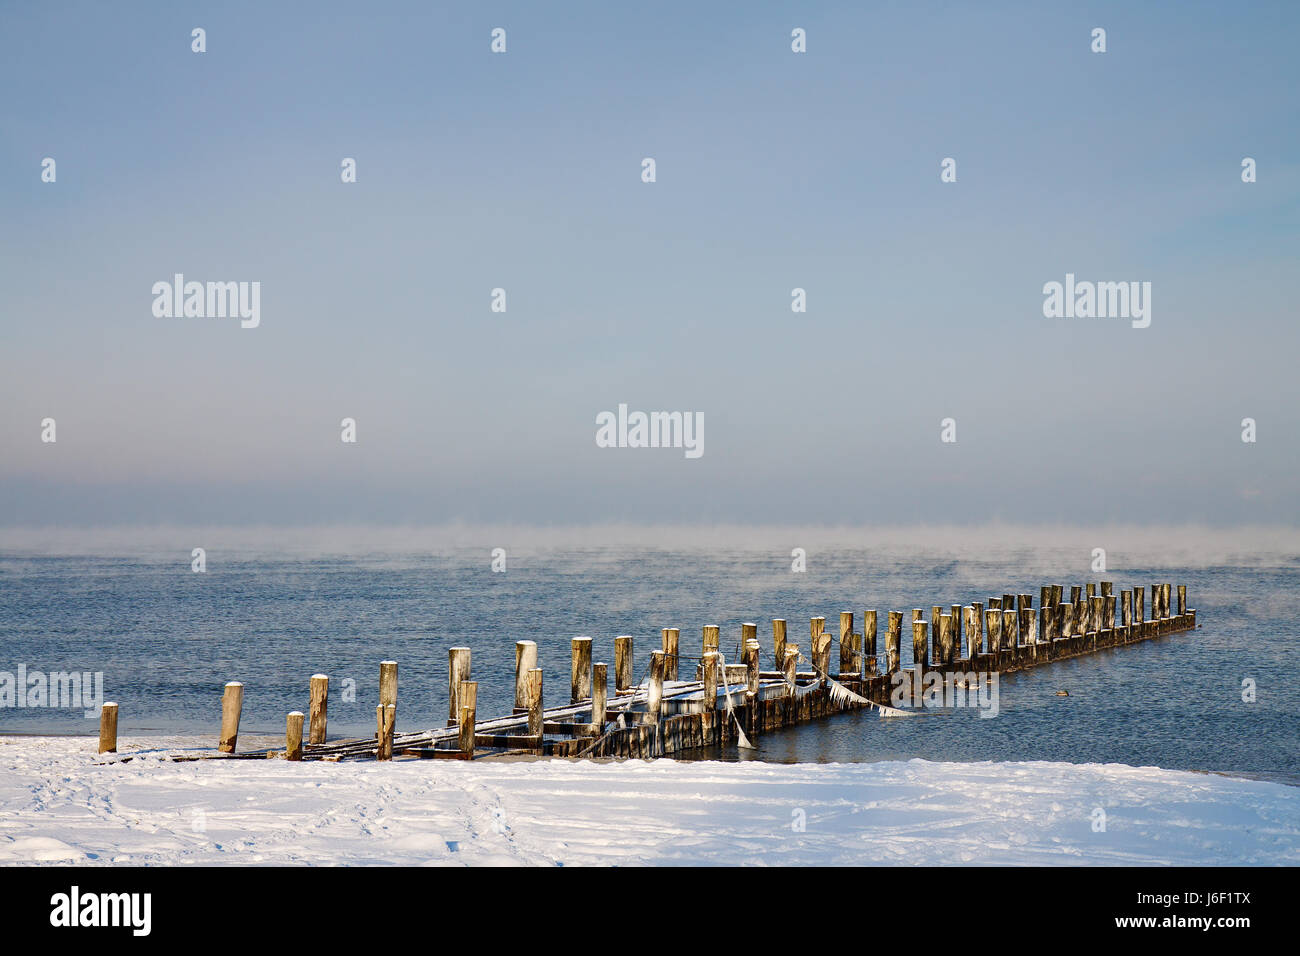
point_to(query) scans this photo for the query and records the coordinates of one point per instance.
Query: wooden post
(751, 652)
(955, 610)
(918, 613)
(710, 666)
(1107, 588)
(1065, 614)
(1167, 599)
(995, 604)
(1139, 605)
(972, 647)
(525, 660)
(1096, 612)
(919, 659)
(232, 702)
(846, 642)
(468, 715)
(580, 672)
(108, 728)
(655, 695)
(293, 736)
(386, 719)
(1045, 596)
(710, 637)
(671, 637)
(599, 694)
(894, 642)
(936, 612)
(947, 653)
(1108, 616)
(821, 647)
(977, 635)
(318, 708)
(778, 641)
(1027, 622)
(388, 685)
(993, 625)
(533, 700)
(622, 662)
(869, 630)
(1008, 602)
(790, 666)
(1182, 599)
(1126, 607)
(458, 661)
(1042, 626)
(748, 632)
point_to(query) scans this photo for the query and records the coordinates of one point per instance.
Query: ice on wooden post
(318, 708)
(821, 647)
(710, 666)
(622, 662)
(894, 642)
(468, 716)
(293, 735)
(388, 684)
(533, 701)
(778, 640)
(751, 657)
(599, 694)
(458, 661)
(655, 693)
(232, 702)
(580, 671)
(385, 720)
(790, 666)
(525, 660)
(108, 728)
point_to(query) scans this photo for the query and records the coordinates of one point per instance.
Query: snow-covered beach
(61, 803)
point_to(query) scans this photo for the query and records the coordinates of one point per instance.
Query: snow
(59, 803)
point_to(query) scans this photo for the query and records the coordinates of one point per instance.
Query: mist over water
(276, 606)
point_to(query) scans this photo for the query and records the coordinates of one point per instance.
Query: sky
(522, 171)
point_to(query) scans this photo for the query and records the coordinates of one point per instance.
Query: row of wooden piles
(666, 713)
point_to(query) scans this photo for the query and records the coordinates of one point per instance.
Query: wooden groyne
(686, 703)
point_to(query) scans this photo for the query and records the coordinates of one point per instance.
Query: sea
(271, 607)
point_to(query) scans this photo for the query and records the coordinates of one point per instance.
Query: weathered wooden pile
(666, 713)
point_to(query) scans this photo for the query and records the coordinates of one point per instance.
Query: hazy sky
(522, 171)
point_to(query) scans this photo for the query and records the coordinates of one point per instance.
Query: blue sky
(775, 171)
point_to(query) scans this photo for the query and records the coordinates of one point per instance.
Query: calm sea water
(168, 639)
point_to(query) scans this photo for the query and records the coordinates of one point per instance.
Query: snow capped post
(748, 632)
(533, 700)
(622, 662)
(750, 657)
(458, 661)
(655, 693)
(710, 667)
(946, 655)
(293, 736)
(580, 671)
(919, 641)
(525, 660)
(468, 717)
(108, 728)
(671, 638)
(599, 695)
(232, 702)
(318, 708)
(710, 637)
